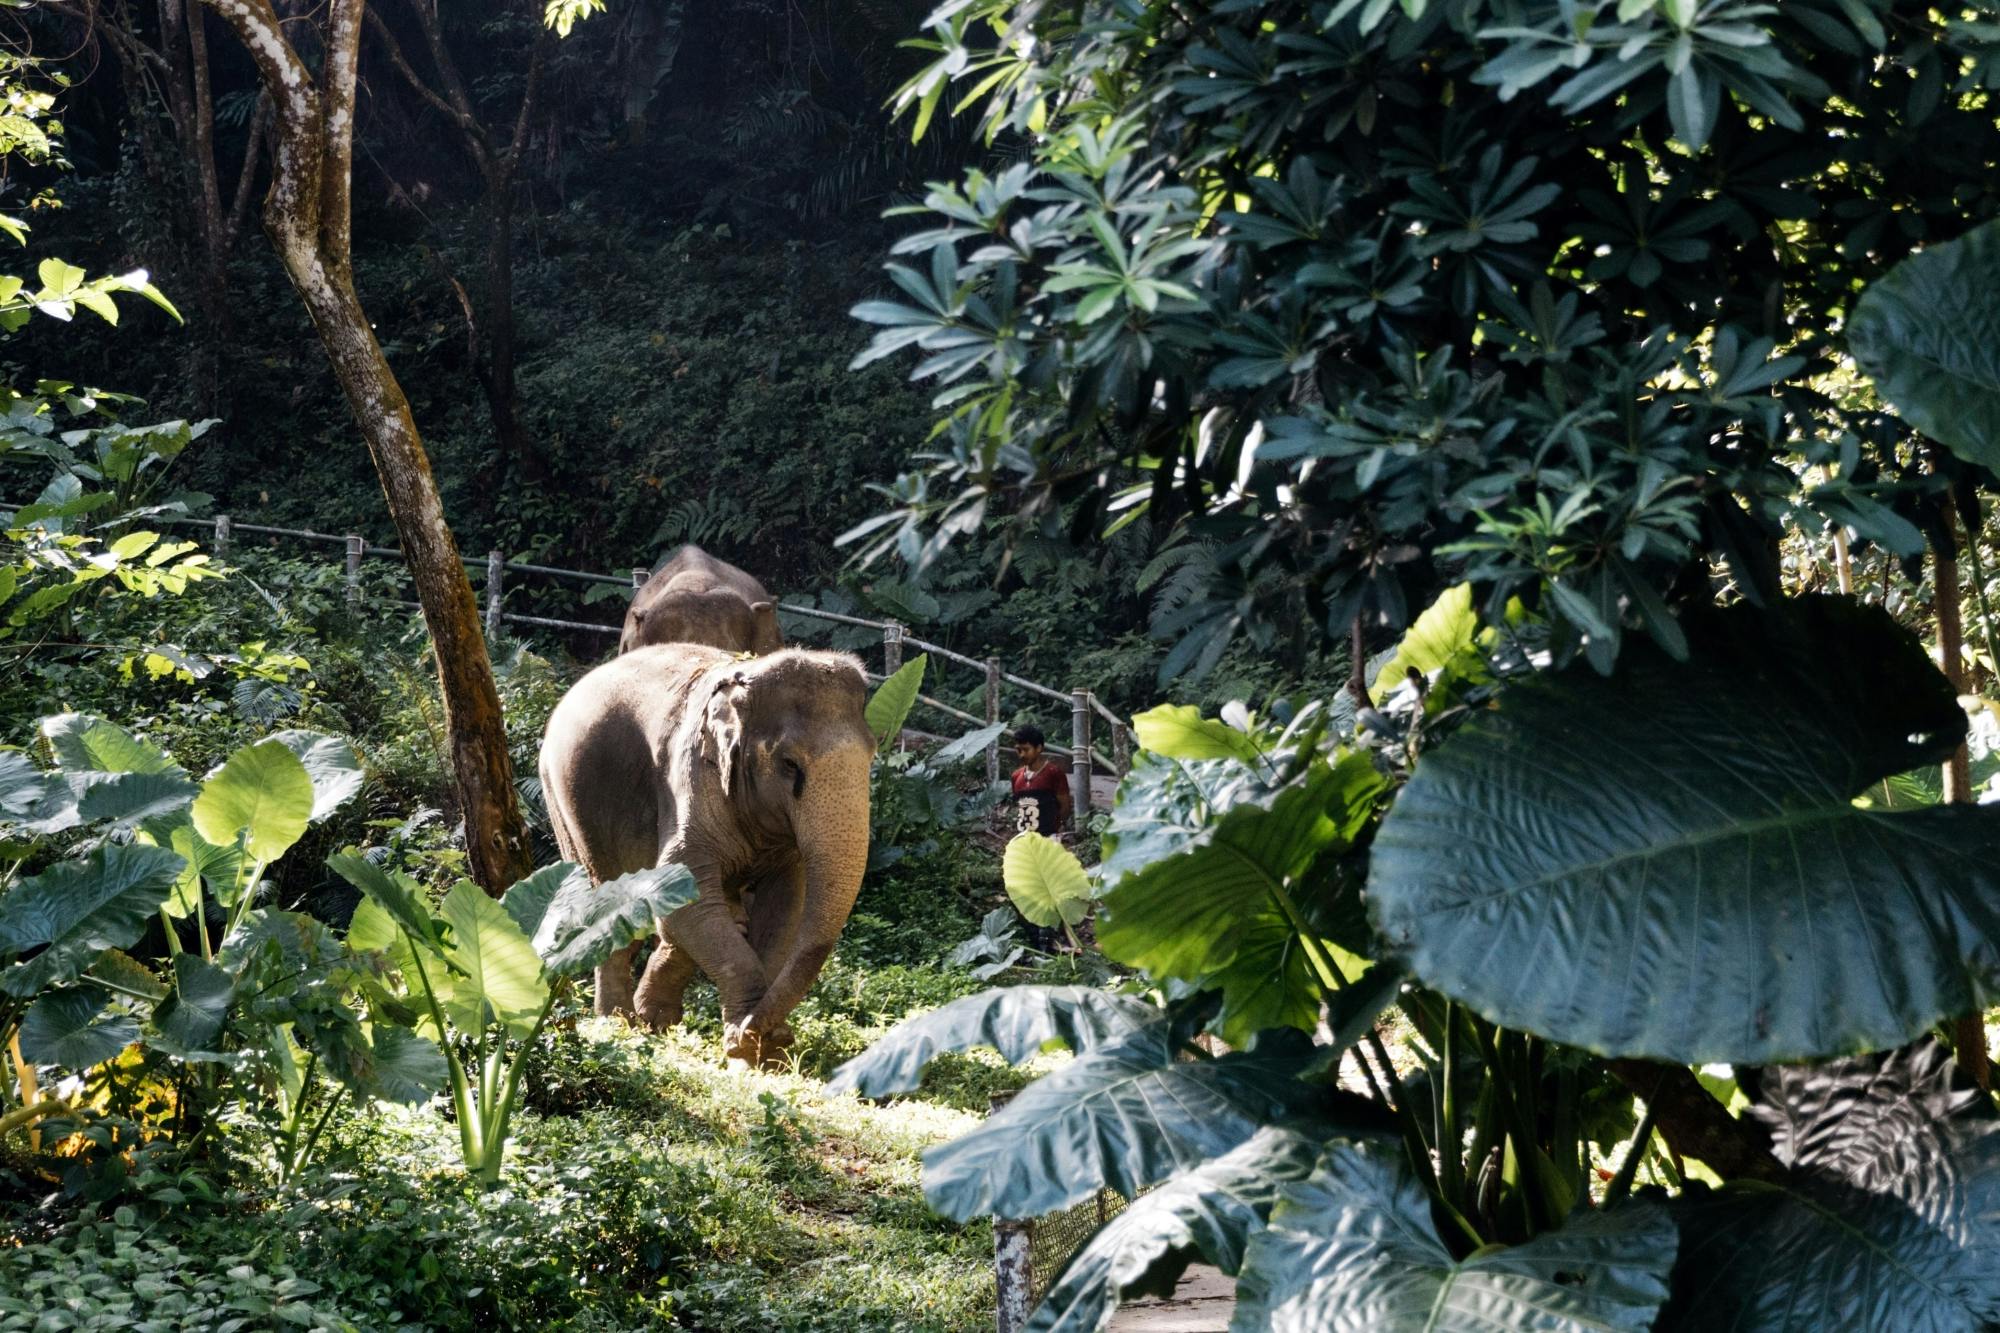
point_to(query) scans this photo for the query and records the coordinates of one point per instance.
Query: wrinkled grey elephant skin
(695, 598)
(752, 774)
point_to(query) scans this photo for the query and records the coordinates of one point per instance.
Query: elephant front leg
(614, 984)
(664, 985)
(788, 986)
(709, 933)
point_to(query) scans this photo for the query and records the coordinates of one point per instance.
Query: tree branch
(239, 207)
(291, 209)
(341, 69)
(537, 60)
(417, 85)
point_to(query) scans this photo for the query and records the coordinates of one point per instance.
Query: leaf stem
(1628, 1170)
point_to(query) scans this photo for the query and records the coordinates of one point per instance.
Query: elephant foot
(660, 1017)
(748, 1047)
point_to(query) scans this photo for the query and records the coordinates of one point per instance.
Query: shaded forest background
(697, 202)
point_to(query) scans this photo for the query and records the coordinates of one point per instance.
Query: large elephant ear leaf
(1353, 1246)
(1125, 1115)
(582, 926)
(503, 980)
(407, 1068)
(330, 763)
(1668, 862)
(1445, 635)
(1923, 333)
(75, 1027)
(86, 744)
(262, 794)
(1188, 913)
(1045, 881)
(1017, 1021)
(890, 706)
(1212, 1211)
(1888, 1219)
(396, 896)
(75, 910)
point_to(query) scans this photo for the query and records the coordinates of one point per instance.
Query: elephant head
(718, 617)
(788, 740)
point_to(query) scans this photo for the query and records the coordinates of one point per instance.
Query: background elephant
(752, 774)
(695, 598)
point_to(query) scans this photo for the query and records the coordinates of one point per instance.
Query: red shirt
(1040, 799)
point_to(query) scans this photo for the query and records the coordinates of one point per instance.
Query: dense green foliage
(1343, 297)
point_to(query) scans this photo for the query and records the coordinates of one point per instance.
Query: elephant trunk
(830, 826)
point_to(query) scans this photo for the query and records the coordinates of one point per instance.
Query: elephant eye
(798, 778)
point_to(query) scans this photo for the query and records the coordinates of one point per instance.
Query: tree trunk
(308, 217)
(497, 374)
(496, 838)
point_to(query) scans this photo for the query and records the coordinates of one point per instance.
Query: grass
(648, 1185)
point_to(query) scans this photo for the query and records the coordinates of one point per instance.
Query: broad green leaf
(1125, 1114)
(116, 968)
(1017, 1021)
(969, 746)
(71, 1028)
(371, 928)
(75, 910)
(83, 742)
(220, 866)
(583, 926)
(1924, 334)
(263, 794)
(23, 785)
(197, 1005)
(894, 698)
(528, 901)
(1443, 636)
(1166, 807)
(503, 981)
(397, 896)
(1186, 914)
(1354, 1247)
(126, 799)
(1888, 1218)
(1179, 731)
(408, 1069)
(1045, 881)
(1668, 862)
(330, 763)
(1212, 1210)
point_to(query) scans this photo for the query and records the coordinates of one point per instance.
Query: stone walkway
(1202, 1303)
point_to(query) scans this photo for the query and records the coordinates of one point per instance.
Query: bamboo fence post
(1079, 760)
(355, 546)
(496, 568)
(1121, 748)
(222, 536)
(639, 576)
(892, 648)
(992, 718)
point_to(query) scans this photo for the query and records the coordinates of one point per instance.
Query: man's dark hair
(1030, 735)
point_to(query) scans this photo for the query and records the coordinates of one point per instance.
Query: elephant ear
(722, 728)
(768, 637)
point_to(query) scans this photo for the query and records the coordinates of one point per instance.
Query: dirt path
(1202, 1303)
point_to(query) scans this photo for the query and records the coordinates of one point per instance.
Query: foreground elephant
(751, 773)
(695, 598)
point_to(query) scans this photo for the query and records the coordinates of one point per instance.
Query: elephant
(752, 773)
(695, 598)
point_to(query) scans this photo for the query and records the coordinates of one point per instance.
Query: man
(1041, 786)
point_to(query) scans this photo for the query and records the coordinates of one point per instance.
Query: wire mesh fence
(1029, 1255)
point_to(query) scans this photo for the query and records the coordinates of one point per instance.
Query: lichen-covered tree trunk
(307, 217)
